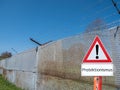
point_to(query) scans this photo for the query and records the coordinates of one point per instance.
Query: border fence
(56, 65)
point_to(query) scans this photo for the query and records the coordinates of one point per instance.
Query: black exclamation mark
(97, 49)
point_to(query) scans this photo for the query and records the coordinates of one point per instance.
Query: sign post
(98, 83)
(97, 63)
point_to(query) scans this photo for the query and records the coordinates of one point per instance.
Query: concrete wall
(59, 62)
(56, 66)
(115, 44)
(21, 69)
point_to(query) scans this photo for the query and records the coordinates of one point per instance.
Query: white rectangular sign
(97, 69)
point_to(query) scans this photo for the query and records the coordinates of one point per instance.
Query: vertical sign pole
(98, 83)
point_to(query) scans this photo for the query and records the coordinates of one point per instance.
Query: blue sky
(46, 20)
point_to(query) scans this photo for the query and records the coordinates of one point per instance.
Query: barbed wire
(116, 6)
(105, 26)
(106, 17)
(98, 12)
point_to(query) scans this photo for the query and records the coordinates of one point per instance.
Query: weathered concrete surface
(55, 83)
(25, 61)
(115, 46)
(21, 69)
(25, 80)
(56, 66)
(62, 59)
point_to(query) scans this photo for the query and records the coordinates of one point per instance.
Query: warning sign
(97, 61)
(97, 52)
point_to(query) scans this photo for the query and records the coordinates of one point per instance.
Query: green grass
(6, 85)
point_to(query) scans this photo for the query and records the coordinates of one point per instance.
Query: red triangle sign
(97, 53)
